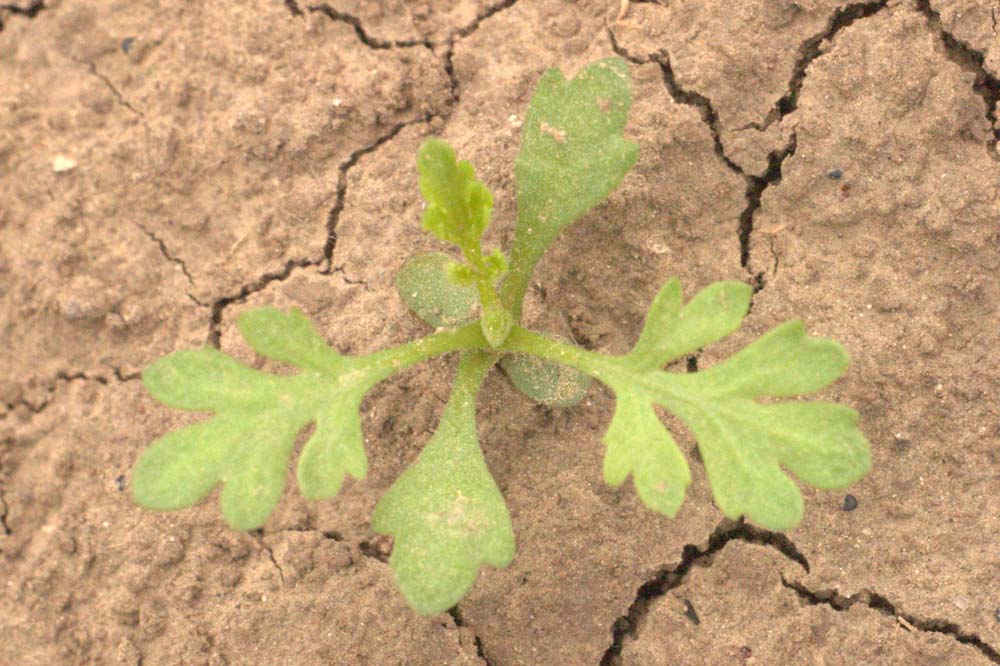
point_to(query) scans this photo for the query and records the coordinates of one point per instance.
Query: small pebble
(850, 502)
(62, 163)
(835, 174)
(690, 612)
(120, 482)
(127, 44)
(746, 652)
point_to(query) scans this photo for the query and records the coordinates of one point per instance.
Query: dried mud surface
(165, 165)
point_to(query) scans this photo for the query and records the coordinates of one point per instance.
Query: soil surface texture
(166, 165)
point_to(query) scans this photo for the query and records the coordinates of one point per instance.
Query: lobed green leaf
(445, 512)
(671, 331)
(179, 469)
(254, 477)
(247, 444)
(202, 379)
(638, 444)
(572, 157)
(744, 443)
(335, 450)
(783, 362)
(289, 337)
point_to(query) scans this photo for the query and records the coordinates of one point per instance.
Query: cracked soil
(165, 165)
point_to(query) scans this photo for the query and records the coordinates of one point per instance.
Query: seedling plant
(445, 512)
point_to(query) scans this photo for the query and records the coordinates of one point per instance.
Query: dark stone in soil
(690, 612)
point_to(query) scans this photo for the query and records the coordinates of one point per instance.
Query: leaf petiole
(387, 362)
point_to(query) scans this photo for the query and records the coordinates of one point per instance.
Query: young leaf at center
(458, 212)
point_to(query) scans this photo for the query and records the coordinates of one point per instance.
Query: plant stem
(516, 283)
(607, 369)
(496, 320)
(598, 366)
(390, 361)
(672, 390)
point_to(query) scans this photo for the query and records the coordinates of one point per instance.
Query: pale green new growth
(458, 212)
(458, 206)
(445, 512)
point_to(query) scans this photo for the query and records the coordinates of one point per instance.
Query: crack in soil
(359, 29)
(699, 102)
(670, 578)
(377, 548)
(4, 527)
(172, 259)
(333, 217)
(29, 12)
(476, 22)
(456, 614)
(62, 376)
(366, 38)
(454, 89)
(986, 85)
(259, 535)
(754, 194)
(755, 184)
(261, 283)
(375, 43)
(339, 270)
(114, 91)
(680, 95)
(877, 602)
(810, 50)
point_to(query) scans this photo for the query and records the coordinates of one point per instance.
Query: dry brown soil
(166, 164)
